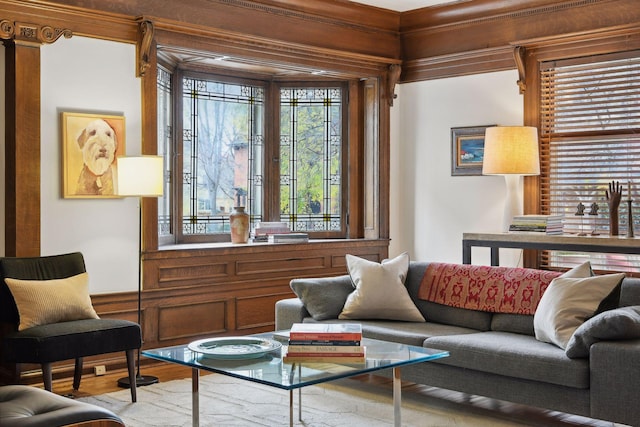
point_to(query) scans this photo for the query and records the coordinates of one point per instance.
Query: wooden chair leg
(77, 373)
(131, 366)
(46, 375)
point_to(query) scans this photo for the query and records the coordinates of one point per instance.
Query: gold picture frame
(91, 144)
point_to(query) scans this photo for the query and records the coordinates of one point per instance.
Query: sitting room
(298, 150)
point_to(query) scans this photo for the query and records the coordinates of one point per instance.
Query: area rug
(229, 402)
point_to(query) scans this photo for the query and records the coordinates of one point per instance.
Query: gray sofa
(497, 355)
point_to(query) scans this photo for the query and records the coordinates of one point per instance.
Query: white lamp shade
(511, 150)
(141, 176)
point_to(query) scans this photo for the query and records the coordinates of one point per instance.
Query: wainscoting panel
(215, 291)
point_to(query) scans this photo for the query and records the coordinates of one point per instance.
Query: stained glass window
(222, 134)
(310, 158)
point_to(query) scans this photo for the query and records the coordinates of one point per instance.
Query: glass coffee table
(269, 369)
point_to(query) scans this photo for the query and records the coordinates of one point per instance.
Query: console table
(564, 242)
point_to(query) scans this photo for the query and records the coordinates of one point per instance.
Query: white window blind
(590, 136)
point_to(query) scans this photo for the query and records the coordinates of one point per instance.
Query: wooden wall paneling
(353, 197)
(22, 149)
(78, 19)
(438, 41)
(324, 29)
(192, 319)
(256, 312)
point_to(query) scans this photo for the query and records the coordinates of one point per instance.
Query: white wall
(430, 209)
(94, 76)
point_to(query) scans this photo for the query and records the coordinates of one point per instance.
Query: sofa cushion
(411, 333)
(619, 324)
(523, 324)
(485, 288)
(441, 313)
(513, 355)
(379, 290)
(515, 323)
(41, 302)
(568, 302)
(323, 297)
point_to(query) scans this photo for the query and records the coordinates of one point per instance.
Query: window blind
(589, 136)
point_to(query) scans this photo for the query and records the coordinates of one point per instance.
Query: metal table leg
(195, 397)
(290, 408)
(397, 398)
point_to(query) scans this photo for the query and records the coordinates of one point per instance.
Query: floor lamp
(140, 176)
(511, 151)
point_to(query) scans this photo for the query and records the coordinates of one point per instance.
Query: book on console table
(324, 332)
(549, 224)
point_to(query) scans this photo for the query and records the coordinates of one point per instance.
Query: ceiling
(403, 5)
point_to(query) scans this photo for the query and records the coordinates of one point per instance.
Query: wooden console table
(565, 242)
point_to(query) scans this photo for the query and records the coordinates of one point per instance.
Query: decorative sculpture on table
(594, 212)
(613, 196)
(580, 212)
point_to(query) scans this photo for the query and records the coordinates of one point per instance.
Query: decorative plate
(234, 347)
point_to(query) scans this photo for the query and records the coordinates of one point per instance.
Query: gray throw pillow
(619, 324)
(323, 297)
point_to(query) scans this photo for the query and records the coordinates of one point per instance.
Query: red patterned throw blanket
(484, 288)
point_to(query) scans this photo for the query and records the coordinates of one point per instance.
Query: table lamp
(140, 176)
(511, 151)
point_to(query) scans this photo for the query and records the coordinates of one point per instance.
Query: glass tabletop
(270, 369)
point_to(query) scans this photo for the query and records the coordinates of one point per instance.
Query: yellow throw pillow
(41, 302)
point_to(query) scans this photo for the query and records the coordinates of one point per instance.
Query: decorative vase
(239, 221)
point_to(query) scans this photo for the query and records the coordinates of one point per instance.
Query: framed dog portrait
(91, 144)
(467, 150)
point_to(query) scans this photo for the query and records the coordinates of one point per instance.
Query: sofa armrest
(288, 312)
(615, 380)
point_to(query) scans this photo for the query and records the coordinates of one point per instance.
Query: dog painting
(91, 146)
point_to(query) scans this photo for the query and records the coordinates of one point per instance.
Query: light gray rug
(229, 402)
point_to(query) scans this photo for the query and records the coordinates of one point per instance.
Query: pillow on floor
(569, 302)
(380, 292)
(619, 324)
(41, 302)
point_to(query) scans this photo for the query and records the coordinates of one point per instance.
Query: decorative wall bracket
(519, 55)
(31, 33)
(145, 38)
(393, 75)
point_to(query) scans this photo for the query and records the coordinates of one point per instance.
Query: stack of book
(330, 342)
(548, 224)
(264, 229)
(288, 238)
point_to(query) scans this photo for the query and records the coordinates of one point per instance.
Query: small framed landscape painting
(467, 150)
(90, 146)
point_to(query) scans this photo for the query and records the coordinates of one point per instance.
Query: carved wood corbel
(31, 33)
(393, 75)
(145, 38)
(519, 55)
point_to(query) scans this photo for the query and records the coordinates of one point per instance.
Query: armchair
(52, 342)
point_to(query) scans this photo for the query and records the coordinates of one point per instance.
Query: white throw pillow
(567, 303)
(380, 292)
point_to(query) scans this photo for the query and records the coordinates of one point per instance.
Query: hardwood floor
(92, 385)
